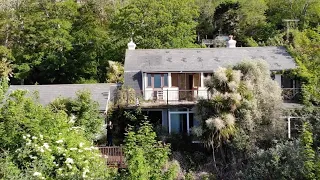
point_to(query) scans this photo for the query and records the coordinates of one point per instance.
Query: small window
(165, 80)
(149, 80)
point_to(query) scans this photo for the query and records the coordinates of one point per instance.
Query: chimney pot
(131, 45)
(231, 43)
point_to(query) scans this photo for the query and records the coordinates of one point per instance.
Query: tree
(156, 24)
(241, 18)
(305, 49)
(5, 63)
(308, 12)
(217, 114)
(83, 113)
(58, 42)
(238, 111)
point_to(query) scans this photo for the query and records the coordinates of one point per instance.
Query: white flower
(36, 174)
(92, 147)
(28, 143)
(24, 137)
(46, 145)
(33, 157)
(229, 119)
(80, 150)
(28, 135)
(69, 161)
(55, 164)
(69, 166)
(72, 119)
(73, 149)
(41, 136)
(81, 144)
(41, 149)
(33, 137)
(85, 172)
(59, 141)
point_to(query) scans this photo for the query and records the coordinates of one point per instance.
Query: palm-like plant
(218, 125)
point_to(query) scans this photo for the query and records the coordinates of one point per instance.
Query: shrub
(146, 158)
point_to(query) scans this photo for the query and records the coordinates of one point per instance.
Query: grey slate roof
(205, 59)
(48, 93)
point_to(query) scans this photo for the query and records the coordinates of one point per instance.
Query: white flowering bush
(44, 145)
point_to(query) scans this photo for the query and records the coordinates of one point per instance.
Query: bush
(146, 158)
(284, 161)
(43, 144)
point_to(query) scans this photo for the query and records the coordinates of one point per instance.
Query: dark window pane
(165, 79)
(157, 81)
(149, 80)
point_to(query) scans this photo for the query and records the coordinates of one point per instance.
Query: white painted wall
(277, 78)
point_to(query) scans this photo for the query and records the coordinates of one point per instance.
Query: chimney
(231, 43)
(131, 45)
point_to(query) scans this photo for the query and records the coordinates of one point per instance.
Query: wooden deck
(114, 156)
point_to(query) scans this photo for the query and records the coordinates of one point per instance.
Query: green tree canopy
(156, 24)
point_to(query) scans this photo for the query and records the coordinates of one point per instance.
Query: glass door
(179, 123)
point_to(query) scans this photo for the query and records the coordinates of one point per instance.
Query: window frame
(152, 80)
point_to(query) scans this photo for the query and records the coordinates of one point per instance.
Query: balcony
(175, 96)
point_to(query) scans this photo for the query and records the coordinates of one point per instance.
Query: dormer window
(157, 80)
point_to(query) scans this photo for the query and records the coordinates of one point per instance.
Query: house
(101, 93)
(169, 81)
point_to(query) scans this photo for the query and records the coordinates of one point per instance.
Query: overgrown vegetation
(51, 41)
(39, 143)
(147, 158)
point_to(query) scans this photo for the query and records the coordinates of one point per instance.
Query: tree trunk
(214, 158)
(222, 153)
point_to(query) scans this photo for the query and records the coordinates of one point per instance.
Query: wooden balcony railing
(172, 95)
(114, 155)
(176, 96)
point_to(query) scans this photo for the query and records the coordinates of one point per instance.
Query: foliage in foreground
(83, 113)
(147, 158)
(39, 143)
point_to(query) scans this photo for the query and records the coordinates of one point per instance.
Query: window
(157, 80)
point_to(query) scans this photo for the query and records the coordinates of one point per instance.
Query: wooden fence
(114, 155)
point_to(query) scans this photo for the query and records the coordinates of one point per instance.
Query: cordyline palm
(220, 123)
